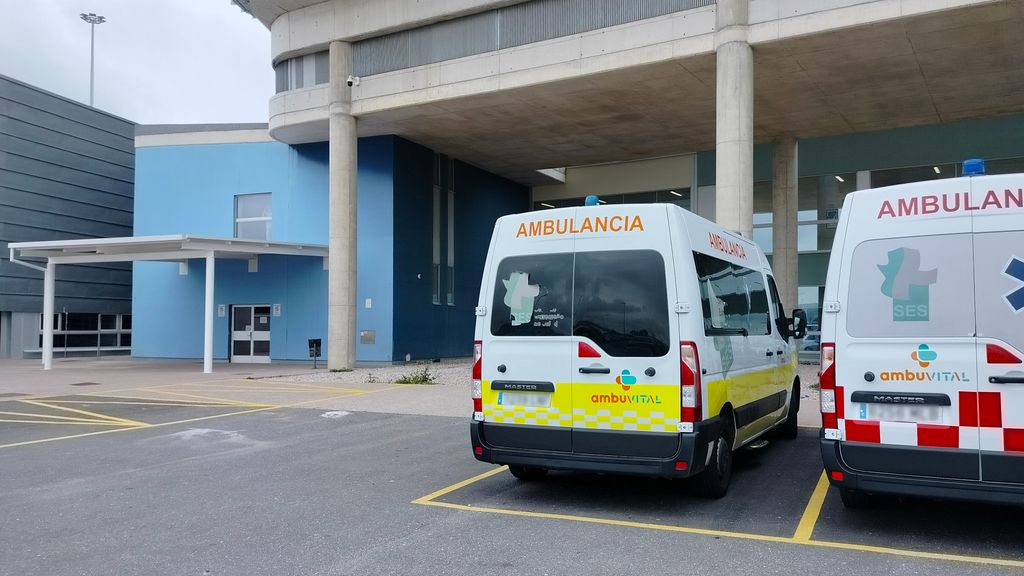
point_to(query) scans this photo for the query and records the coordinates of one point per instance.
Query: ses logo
(908, 285)
(924, 356)
(625, 380)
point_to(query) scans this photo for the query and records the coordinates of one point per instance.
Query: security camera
(352, 80)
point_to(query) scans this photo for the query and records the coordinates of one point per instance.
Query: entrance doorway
(250, 333)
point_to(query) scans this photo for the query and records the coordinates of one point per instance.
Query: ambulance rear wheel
(713, 481)
(855, 499)
(527, 473)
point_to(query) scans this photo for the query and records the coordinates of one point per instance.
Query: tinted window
(912, 287)
(734, 299)
(759, 319)
(723, 295)
(532, 296)
(621, 302)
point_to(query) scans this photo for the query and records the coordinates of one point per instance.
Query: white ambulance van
(922, 380)
(634, 339)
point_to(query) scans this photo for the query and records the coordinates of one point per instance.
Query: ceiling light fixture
(936, 168)
(546, 205)
(840, 178)
(676, 193)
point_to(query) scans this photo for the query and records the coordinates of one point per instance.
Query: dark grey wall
(66, 171)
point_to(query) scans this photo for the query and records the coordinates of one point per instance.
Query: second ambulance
(922, 354)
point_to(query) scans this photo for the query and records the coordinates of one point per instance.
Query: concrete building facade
(757, 94)
(67, 170)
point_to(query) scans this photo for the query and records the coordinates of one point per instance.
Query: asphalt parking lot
(213, 478)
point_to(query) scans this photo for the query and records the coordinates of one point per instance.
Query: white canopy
(160, 248)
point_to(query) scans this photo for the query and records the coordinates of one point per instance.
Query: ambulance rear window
(532, 296)
(621, 302)
(912, 287)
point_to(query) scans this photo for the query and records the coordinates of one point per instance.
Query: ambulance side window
(781, 323)
(759, 319)
(532, 296)
(724, 298)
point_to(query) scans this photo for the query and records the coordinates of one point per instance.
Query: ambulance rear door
(998, 410)
(626, 366)
(527, 343)
(905, 356)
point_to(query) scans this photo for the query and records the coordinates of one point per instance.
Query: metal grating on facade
(66, 171)
(507, 27)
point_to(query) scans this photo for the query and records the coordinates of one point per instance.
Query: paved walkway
(365, 389)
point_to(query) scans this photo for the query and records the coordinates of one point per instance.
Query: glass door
(250, 334)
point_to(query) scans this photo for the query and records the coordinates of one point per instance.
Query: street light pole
(93, 20)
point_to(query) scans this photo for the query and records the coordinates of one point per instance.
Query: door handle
(769, 353)
(1006, 379)
(595, 370)
(779, 352)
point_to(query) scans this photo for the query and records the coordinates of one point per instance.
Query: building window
(435, 268)
(78, 331)
(450, 223)
(253, 216)
(302, 72)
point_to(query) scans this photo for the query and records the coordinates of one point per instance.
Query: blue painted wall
(191, 190)
(423, 329)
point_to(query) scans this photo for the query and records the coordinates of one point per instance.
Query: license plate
(903, 413)
(528, 399)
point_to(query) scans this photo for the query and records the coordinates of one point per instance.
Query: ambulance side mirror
(799, 324)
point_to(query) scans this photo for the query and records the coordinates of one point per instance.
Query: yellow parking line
(804, 530)
(215, 399)
(811, 512)
(142, 403)
(149, 426)
(86, 413)
(55, 417)
(456, 486)
(79, 423)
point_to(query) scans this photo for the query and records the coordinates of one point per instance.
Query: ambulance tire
(790, 426)
(527, 473)
(713, 481)
(855, 499)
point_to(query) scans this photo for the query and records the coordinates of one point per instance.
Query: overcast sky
(157, 61)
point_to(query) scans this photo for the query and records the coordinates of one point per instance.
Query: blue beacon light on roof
(591, 200)
(974, 167)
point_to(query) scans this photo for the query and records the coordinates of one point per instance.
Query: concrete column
(49, 294)
(208, 316)
(734, 142)
(785, 186)
(341, 282)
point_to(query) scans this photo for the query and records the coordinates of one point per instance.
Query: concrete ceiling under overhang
(940, 67)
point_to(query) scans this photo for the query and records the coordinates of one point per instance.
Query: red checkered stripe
(984, 424)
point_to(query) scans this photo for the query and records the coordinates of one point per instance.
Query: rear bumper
(950, 488)
(692, 449)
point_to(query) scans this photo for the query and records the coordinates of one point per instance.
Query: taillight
(689, 386)
(996, 354)
(827, 381)
(478, 402)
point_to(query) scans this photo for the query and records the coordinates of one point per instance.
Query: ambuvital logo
(625, 399)
(907, 284)
(924, 356)
(625, 380)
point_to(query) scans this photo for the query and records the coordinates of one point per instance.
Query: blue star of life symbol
(1015, 270)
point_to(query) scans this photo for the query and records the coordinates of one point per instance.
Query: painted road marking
(94, 415)
(261, 408)
(804, 529)
(811, 512)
